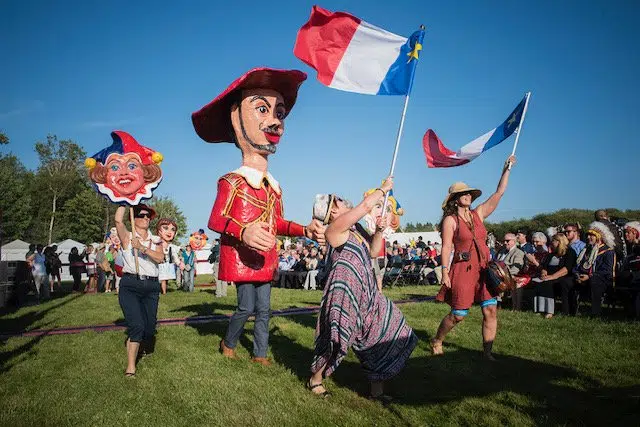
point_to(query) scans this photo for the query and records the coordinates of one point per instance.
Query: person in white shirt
(139, 287)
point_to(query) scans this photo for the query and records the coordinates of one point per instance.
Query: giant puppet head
(166, 229)
(393, 208)
(112, 240)
(125, 172)
(251, 111)
(198, 240)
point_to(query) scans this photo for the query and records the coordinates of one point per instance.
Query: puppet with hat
(248, 211)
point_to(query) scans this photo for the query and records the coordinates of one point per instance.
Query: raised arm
(490, 205)
(123, 233)
(337, 232)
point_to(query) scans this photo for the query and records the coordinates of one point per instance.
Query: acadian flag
(439, 156)
(352, 55)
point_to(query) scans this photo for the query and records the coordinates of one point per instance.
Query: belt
(140, 276)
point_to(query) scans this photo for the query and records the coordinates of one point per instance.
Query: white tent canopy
(15, 251)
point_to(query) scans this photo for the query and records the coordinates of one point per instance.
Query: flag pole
(404, 112)
(524, 112)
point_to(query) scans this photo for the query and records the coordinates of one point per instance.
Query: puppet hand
(315, 231)
(257, 236)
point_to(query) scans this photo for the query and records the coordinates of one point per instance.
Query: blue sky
(80, 69)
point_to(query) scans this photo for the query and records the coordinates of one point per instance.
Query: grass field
(566, 371)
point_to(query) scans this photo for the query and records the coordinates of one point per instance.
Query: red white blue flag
(439, 156)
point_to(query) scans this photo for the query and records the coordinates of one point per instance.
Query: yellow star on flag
(414, 52)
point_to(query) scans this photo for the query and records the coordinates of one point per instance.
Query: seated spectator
(421, 244)
(521, 237)
(572, 231)
(555, 272)
(595, 268)
(532, 267)
(511, 255)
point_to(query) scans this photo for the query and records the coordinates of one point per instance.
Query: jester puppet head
(125, 172)
(166, 229)
(393, 209)
(251, 111)
(198, 240)
(112, 240)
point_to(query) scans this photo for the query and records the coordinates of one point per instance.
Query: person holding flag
(465, 256)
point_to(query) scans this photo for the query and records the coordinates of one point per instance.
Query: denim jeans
(252, 297)
(187, 279)
(139, 302)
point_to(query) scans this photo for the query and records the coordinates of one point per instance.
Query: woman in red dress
(464, 236)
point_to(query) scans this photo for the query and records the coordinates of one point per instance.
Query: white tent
(15, 251)
(64, 249)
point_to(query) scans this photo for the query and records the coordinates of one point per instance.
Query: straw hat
(458, 188)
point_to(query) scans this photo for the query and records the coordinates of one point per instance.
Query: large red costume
(248, 208)
(243, 198)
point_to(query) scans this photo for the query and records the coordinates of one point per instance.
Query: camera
(463, 256)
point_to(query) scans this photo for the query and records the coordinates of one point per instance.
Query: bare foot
(436, 347)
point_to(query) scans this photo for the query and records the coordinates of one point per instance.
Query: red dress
(467, 277)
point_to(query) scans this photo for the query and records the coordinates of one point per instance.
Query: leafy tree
(60, 167)
(410, 227)
(15, 202)
(81, 217)
(165, 207)
(4, 139)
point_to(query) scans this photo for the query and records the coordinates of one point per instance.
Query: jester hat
(123, 143)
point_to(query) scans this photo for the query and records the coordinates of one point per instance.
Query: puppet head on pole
(198, 240)
(250, 113)
(125, 172)
(112, 240)
(393, 209)
(166, 229)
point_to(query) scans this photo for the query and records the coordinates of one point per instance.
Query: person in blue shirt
(572, 232)
(521, 237)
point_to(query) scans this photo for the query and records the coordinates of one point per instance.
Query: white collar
(254, 177)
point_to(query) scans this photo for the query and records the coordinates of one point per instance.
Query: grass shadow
(22, 323)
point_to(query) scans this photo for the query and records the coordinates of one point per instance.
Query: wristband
(382, 191)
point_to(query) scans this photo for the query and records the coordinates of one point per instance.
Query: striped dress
(354, 314)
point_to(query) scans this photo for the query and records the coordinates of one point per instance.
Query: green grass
(566, 371)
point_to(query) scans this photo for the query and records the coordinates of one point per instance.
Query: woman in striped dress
(354, 313)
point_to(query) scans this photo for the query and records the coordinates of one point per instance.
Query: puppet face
(197, 241)
(393, 220)
(125, 175)
(167, 232)
(114, 240)
(258, 121)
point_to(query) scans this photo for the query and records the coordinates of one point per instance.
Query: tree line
(541, 222)
(56, 201)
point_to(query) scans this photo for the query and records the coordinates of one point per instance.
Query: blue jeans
(252, 297)
(139, 302)
(187, 279)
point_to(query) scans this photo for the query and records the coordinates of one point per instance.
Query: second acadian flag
(352, 55)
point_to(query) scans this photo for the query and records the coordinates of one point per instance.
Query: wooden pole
(133, 236)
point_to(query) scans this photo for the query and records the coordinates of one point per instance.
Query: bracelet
(381, 190)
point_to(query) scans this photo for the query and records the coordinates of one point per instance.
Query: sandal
(436, 349)
(129, 374)
(326, 393)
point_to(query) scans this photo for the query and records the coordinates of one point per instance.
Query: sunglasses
(144, 215)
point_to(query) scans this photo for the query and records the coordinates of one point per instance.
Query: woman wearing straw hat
(464, 236)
